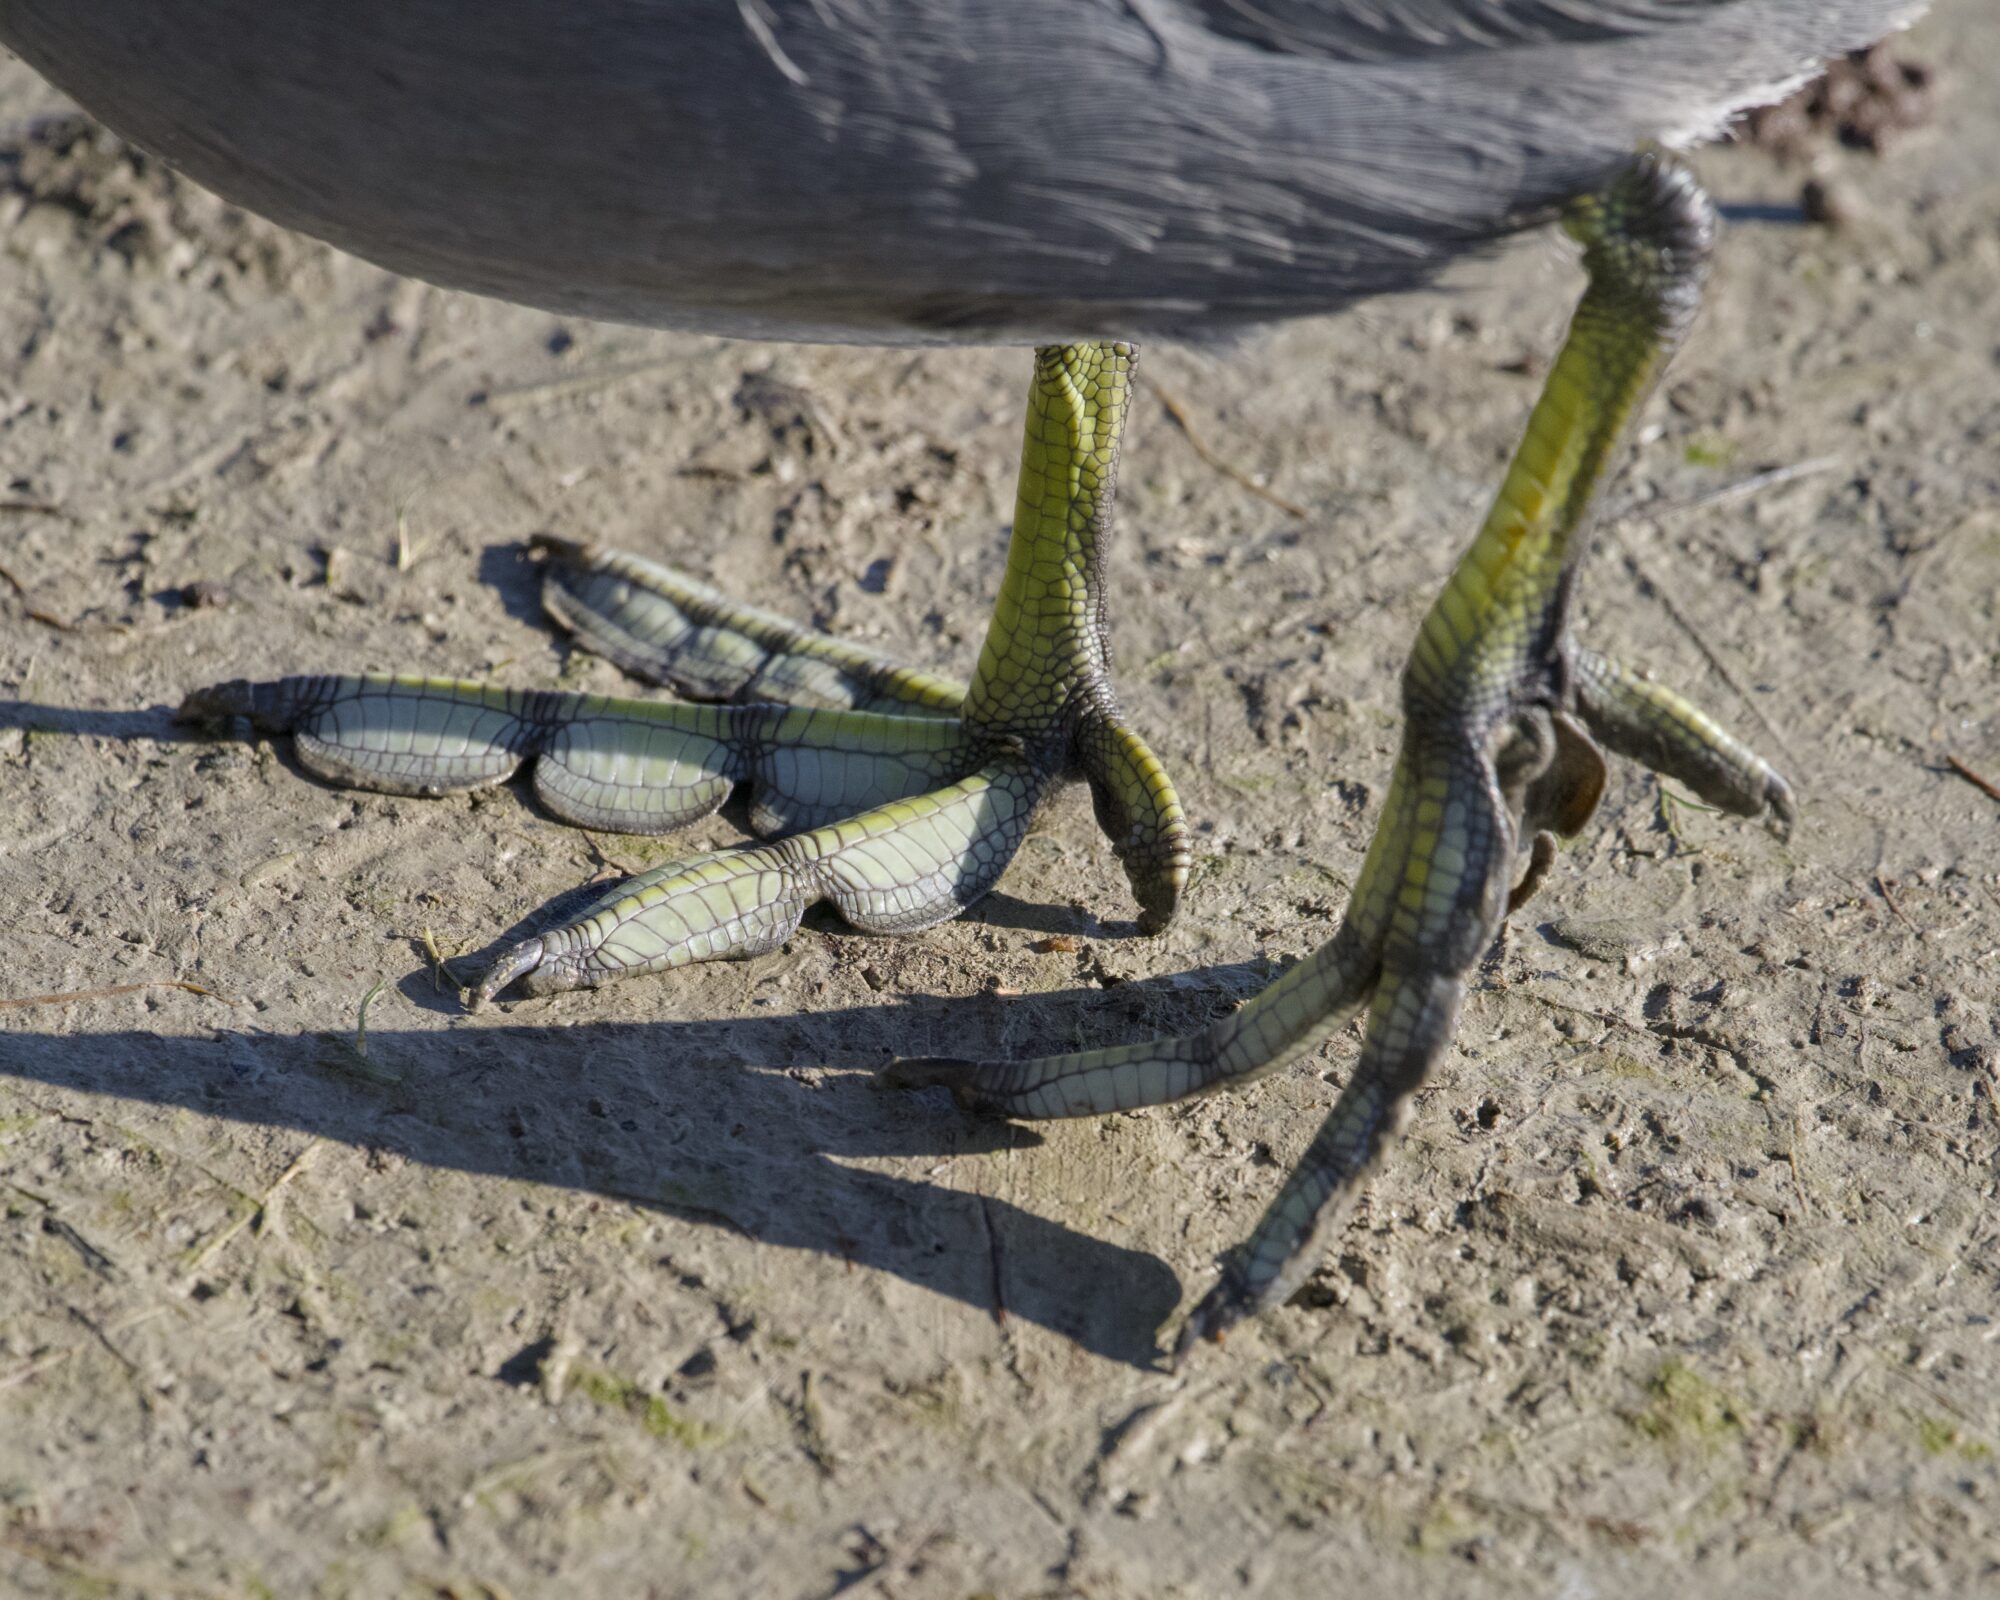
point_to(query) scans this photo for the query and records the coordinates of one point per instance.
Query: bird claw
(1225, 1305)
(515, 962)
(1781, 807)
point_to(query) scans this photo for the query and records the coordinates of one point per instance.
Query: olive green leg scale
(898, 796)
(1497, 753)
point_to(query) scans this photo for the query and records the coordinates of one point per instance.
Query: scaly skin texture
(1494, 755)
(901, 797)
(901, 806)
(671, 629)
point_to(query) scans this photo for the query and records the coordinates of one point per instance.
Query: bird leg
(901, 802)
(1497, 754)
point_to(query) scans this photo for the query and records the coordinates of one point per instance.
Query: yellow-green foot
(896, 869)
(1647, 722)
(897, 796)
(1497, 754)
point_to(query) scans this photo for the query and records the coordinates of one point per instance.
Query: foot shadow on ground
(748, 1124)
(745, 1124)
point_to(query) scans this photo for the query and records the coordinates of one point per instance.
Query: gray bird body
(917, 171)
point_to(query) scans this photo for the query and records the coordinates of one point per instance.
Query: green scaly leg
(1495, 756)
(901, 804)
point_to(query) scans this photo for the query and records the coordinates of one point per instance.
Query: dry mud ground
(1682, 1282)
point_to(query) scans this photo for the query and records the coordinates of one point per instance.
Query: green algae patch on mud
(1685, 1409)
(651, 1411)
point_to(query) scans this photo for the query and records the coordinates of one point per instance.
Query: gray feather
(920, 170)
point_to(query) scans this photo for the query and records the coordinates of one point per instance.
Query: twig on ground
(506, 1475)
(352, 1054)
(71, 996)
(811, 1427)
(91, 1579)
(34, 612)
(1178, 413)
(361, 1018)
(1756, 483)
(55, 1358)
(502, 401)
(1721, 668)
(257, 1212)
(408, 551)
(994, 1256)
(1798, 1169)
(1742, 489)
(1669, 807)
(1888, 899)
(1985, 786)
(440, 972)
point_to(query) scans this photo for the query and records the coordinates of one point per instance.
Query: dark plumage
(903, 171)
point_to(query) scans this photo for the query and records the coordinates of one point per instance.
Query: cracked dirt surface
(1682, 1281)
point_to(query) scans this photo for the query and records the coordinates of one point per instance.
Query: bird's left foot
(1504, 719)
